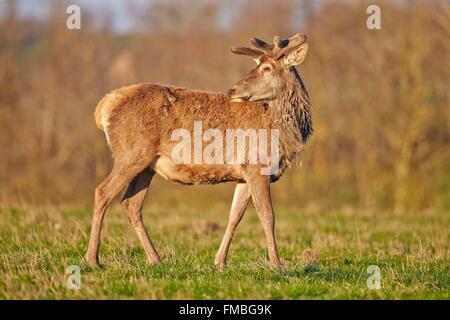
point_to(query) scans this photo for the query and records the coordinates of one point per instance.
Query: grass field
(325, 255)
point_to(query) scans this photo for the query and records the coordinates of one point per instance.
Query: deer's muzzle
(235, 95)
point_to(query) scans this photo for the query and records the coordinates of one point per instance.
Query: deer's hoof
(153, 262)
(275, 263)
(220, 265)
(92, 262)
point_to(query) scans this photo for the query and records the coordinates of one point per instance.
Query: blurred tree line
(380, 98)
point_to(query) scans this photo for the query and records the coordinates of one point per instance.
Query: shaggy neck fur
(291, 112)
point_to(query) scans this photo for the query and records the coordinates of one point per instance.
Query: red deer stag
(139, 120)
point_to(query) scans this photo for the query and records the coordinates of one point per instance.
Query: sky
(121, 21)
(118, 10)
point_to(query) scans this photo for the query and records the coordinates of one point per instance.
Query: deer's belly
(195, 174)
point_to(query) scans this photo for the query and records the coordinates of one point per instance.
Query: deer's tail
(98, 115)
(109, 102)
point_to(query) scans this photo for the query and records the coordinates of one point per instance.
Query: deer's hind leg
(132, 203)
(124, 170)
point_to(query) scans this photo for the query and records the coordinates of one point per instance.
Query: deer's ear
(296, 56)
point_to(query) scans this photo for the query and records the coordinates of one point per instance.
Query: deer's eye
(266, 68)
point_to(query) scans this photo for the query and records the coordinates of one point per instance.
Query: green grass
(325, 255)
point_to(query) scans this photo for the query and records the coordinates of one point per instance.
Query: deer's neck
(291, 113)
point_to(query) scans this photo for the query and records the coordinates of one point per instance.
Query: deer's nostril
(231, 92)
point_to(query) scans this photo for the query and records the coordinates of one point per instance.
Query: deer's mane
(292, 112)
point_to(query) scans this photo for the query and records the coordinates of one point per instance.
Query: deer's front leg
(240, 201)
(260, 191)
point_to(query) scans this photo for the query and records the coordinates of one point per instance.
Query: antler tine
(284, 45)
(280, 43)
(260, 44)
(277, 49)
(255, 53)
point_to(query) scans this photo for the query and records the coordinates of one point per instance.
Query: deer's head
(274, 68)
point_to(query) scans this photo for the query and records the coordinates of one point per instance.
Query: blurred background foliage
(380, 97)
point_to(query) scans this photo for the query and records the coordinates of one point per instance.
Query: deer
(138, 120)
